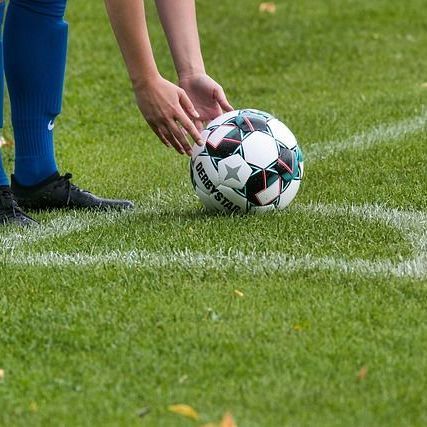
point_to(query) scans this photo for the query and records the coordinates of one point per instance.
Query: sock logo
(50, 125)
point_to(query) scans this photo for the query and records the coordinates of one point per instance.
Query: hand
(207, 96)
(169, 112)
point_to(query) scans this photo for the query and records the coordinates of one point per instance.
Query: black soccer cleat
(57, 192)
(10, 212)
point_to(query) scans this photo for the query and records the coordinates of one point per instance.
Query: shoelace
(65, 181)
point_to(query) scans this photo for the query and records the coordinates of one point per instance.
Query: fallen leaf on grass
(211, 315)
(143, 411)
(268, 7)
(361, 375)
(183, 379)
(34, 407)
(424, 85)
(301, 326)
(227, 421)
(184, 410)
(1, 375)
(238, 293)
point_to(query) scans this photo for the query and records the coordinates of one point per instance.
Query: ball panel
(289, 194)
(222, 119)
(224, 141)
(235, 198)
(287, 164)
(196, 150)
(234, 171)
(282, 133)
(204, 174)
(217, 135)
(301, 169)
(254, 111)
(259, 182)
(259, 210)
(259, 149)
(269, 194)
(226, 201)
(250, 122)
(206, 200)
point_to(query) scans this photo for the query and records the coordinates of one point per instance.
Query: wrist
(144, 80)
(191, 72)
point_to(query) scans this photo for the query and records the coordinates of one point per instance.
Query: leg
(35, 53)
(35, 46)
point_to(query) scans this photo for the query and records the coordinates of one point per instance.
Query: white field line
(77, 221)
(237, 261)
(59, 227)
(379, 134)
(409, 222)
(412, 224)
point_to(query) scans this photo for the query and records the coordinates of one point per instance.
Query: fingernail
(196, 114)
(200, 142)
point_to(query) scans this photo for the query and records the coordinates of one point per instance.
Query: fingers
(174, 142)
(187, 105)
(222, 100)
(161, 136)
(199, 125)
(172, 135)
(191, 128)
(178, 134)
(168, 138)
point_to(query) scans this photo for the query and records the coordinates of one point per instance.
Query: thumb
(222, 100)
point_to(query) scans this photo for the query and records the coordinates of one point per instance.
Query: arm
(162, 103)
(178, 18)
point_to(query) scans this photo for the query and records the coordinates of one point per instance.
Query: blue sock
(3, 176)
(35, 49)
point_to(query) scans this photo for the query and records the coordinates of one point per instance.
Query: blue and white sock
(35, 49)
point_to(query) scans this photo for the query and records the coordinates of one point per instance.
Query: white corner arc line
(379, 134)
(415, 268)
(412, 224)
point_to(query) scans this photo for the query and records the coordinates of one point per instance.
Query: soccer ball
(250, 162)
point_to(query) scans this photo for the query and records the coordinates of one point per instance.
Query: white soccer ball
(250, 162)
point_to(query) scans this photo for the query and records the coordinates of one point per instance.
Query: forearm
(178, 18)
(128, 21)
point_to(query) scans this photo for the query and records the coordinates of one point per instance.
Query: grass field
(104, 314)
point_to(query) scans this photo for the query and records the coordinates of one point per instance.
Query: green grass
(92, 344)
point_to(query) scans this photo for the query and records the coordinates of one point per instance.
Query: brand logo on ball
(218, 196)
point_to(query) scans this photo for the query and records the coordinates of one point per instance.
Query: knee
(54, 8)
